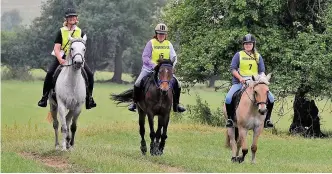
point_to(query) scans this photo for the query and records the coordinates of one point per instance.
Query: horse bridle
(254, 101)
(72, 57)
(161, 81)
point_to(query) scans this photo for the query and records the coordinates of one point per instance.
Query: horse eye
(72, 49)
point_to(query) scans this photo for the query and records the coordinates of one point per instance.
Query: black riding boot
(230, 115)
(89, 102)
(132, 106)
(43, 100)
(176, 101)
(267, 122)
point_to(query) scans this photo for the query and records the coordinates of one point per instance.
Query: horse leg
(69, 117)
(142, 129)
(73, 126)
(152, 134)
(257, 132)
(164, 134)
(243, 140)
(64, 130)
(54, 110)
(158, 134)
(232, 143)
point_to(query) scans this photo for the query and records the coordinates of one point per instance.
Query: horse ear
(253, 78)
(85, 38)
(268, 77)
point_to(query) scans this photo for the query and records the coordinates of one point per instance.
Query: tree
(10, 19)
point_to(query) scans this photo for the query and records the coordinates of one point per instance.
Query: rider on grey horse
(61, 49)
(156, 48)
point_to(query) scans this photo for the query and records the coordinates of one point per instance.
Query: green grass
(108, 139)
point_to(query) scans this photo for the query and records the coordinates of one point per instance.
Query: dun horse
(70, 92)
(250, 115)
(155, 99)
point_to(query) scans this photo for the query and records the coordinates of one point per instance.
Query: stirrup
(132, 107)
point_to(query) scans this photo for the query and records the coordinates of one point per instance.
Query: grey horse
(70, 92)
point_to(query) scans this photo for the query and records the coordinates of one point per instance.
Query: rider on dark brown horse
(156, 48)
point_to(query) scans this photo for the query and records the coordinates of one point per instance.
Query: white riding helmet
(161, 29)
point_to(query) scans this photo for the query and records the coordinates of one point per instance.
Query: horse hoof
(234, 159)
(240, 159)
(57, 147)
(64, 149)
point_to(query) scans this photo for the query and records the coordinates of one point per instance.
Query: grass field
(108, 140)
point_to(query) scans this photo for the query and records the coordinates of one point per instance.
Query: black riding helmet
(70, 12)
(249, 39)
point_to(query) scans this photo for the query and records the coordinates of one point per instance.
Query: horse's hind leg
(142, 130)
(243, 140)
(54, 110)
(73, 126)
(232, 143)
(165, 121)
(69, 117)
(257, 132)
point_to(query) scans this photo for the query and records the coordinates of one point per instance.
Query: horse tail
(126, 96)
(49, 117)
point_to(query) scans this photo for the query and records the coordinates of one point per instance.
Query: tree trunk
(118, 64)
(212, 81)
(306, 120)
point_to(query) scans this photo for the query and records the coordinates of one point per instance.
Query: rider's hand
(61, 61)
(242, 80)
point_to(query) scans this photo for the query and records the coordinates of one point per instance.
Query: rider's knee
(228, 100)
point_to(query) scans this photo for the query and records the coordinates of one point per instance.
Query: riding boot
(230, 115)
(268, 123)
(43, 100)
(136, 93)
(89, 102)
(176, 100)
(46, 89)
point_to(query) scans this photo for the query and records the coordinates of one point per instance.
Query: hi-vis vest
(248, 64)
(65, 37)
(160, 50)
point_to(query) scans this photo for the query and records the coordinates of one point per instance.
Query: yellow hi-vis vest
(248, 64)
(160, 50)
(65, 33)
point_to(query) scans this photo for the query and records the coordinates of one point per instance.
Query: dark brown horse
(155, 100)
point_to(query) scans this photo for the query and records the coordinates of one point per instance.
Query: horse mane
(165, 61)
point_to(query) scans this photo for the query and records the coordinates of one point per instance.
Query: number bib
(160, 50)
(248, 64)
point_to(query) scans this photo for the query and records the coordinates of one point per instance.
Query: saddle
(56, 75)
(237, 97)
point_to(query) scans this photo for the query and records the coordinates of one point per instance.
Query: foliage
(293, 42)
(202, 113)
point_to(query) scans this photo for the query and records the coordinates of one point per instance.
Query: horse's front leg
(243, 140)
(73, 126)
(158, 133)
(257, 132)
(64, 128)
(142, 129)
(54, 110)
(152, 133)
(165, 121)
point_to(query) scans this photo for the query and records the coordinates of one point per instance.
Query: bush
(201, 113)
(16, 74)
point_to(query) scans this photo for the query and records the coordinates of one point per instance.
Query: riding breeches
(236, 87)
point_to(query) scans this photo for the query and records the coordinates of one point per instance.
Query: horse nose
(262, 111)
(164, 86)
